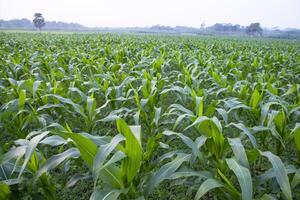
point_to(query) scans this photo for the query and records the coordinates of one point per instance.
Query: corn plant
(116, 116)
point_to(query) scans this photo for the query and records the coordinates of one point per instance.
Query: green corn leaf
(187, 141)
(201, 120)
(91, 107)
(224, 114)
(181, 108)
(272, 89)
(104, 195)
(245, 131)
(199, 106)
(292, 89)
(49, 106)
(13, 153)
(87, 148)
(255, 99)
(157, 116)
(30, 148)
(280, 173)
(271, 129)
(186, 172)
(269, 174)
(296, 133)
(112, 176)
(239, 151)
(82, 95)
(229, 184)
(211, 127)
(206, 186)
(77, 177)
(36, 84)
(55, 160)
(22, 98)
(296, 179)
(244, 177)
(179, 120)
(53, 140)
(102, 154)
(280, 121)
(267, 197)
(119, 155)
(200, 141)
(88, 152)
(98, 140)
(77, 108)
(265, 110)
(166, 171)
(133, 149)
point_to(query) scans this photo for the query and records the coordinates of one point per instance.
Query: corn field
(107, 116)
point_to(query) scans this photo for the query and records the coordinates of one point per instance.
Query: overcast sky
(124, 13)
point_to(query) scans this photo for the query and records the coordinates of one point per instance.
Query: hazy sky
(121, 13)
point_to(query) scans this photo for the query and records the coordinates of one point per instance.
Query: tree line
(39, 22)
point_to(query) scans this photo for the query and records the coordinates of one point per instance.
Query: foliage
(148, 117)
(254, 28)
(39, 21)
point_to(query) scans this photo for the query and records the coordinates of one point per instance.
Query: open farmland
(104, 116)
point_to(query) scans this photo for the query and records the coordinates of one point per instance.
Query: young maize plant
(107, 116)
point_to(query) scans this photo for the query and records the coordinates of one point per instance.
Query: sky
(132, 13)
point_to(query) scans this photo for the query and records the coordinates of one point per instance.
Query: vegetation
(216, 29)
(254, 28)
(26, 24)
(148, 117)
(39, 21)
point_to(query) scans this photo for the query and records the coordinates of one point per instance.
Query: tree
(39, 21)
(254, 29)
(202, 25)
(222, 27)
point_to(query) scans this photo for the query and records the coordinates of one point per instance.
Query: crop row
(148, 117)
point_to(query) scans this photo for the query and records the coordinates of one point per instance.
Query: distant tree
(39, 21)
(223, 27)
(202, 26)
(254, 29)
